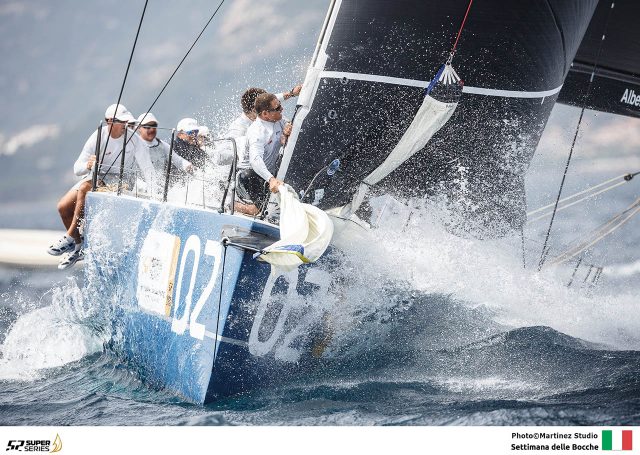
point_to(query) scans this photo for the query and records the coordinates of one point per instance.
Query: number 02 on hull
(191, 313)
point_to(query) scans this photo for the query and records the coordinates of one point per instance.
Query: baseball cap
(147, 117)
(187, 124)
(119, 112)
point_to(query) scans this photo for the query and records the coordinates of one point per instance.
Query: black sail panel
(367, 82)
(605, 74)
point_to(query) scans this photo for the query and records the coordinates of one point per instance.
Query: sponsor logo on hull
(630, 97)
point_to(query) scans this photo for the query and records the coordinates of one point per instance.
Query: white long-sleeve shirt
(159, 154)
(238, 131)
(136, 150)
(263, 139)
(238, 128)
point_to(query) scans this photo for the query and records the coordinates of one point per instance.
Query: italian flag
(617, 440)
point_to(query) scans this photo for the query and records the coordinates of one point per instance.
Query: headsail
(366, 83)
(605, 74)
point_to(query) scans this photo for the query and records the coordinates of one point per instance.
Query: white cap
(119, 112)
(187, 124)
(203, 130)
(147, 117)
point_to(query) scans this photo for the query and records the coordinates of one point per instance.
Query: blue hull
(191, 315)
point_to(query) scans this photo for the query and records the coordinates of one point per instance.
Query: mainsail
(366, 83)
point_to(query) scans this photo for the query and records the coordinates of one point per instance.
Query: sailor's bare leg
(66, 207)
(247, 209)
(78, 213)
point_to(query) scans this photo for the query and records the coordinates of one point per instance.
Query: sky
(64, 62)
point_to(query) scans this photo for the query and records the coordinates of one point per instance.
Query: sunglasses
(276, 109)
(115, 120)
(192, 132)
(151, 126)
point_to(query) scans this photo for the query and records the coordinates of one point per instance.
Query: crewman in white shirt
(238, 128)
(265, 136)
(159, 149)
(71, 205)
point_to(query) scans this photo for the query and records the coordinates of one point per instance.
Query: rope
(575, 270)
(172, 74)
(580, 193)
(543, 254)
(607, 228)
(524, 255)
(550, 249)
(544, 215)
(455, 44)
(630, 176)
(597, 276)
(124, 80)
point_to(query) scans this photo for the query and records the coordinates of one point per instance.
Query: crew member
(71, 205)
(159, 149)
(265, 136)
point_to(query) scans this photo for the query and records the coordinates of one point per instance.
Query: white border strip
(226, 340)
(423, 84)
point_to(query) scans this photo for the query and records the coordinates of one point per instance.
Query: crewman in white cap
(186, 143)
(159, 149)
(71, 205)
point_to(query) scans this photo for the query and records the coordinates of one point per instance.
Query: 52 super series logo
(35, 445)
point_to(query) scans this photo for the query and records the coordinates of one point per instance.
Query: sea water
(463, 335)
(429, 328)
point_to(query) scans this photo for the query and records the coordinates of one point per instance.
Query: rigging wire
(598, 234)
(626, 177)
(581, 258)
(124, 80)
(218, 336)
(455, 44)
(545, 250)
(174, 71)
(181, 62)
(544, 215)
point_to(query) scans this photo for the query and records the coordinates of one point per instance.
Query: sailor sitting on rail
(71, 205)
(159, 149)
(259, 162)
(186, 143)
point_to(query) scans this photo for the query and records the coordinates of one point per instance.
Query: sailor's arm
(224, 150)
(87, 156)
(236, 129)
(176, 160)
(295, 91)
(256, 160)
(287, 127)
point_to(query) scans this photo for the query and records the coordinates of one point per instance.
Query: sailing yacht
(407, 98)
